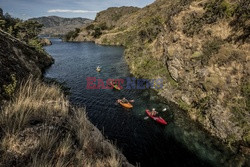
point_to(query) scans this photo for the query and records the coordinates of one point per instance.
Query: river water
(142, 141)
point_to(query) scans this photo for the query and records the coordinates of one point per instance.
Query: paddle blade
(146, 118)
(165, 109)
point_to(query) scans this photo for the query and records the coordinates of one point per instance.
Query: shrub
(246, 93)
(72, 34)
(10, 89)
(210, 48)
(36, 44)
(103, 26)
(97, 32)
(90, 27)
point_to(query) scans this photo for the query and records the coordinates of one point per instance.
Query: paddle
(165, 109)
(145, 118)
(131, 101)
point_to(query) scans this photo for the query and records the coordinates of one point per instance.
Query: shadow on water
(143, 141)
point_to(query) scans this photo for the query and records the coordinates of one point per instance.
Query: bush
(103, 26)
(220, 9)
(246, 93)
(90, 27)
(97, 32)
(210, 48)
(10, 88)
(72, 34)
(150, 29)
(36, 44)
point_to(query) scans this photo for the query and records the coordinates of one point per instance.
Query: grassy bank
(40, 128)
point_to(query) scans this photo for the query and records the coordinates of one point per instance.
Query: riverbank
(204, 70)
(39, 124)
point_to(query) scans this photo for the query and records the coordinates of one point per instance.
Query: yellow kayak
(125, 105)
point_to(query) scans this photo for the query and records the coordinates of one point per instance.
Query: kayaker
(124, 100)
(153, 112)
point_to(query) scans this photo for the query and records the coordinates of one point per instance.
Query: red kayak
(156, 118)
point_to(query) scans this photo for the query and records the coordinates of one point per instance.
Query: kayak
(125, 105)
(115, 86)
(156, 118)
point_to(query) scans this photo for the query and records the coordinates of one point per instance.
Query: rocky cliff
(18, 61)
(201, 48)
(54, 25)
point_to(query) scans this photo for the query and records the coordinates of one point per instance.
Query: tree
(2, 24)
(1, 13)
(28, 29)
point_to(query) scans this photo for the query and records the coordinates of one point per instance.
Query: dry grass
(40, 128)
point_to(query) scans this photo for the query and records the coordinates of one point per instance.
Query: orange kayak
(125, 105)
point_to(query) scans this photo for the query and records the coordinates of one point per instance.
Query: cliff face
(201, 49)
(19, 60)
(54, 25)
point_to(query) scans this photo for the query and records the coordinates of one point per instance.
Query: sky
(26, 9)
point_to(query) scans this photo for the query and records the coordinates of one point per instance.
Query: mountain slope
(19, 60)
(201, 48)
(54, 25)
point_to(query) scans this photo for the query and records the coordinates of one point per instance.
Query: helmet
(153, 109)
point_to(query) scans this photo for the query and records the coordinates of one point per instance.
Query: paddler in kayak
(114, 83)
(124, 100)
(98, 69)
(154, 112)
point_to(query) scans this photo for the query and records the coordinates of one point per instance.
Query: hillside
(201, 48)
(104, 22)
(54, 25)
(38, 126)
(19, 60)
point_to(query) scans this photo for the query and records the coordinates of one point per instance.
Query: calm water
(180, 143)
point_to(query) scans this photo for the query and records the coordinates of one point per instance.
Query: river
(181, 143)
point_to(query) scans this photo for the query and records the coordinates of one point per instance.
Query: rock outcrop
(45, 42)
(19, 60)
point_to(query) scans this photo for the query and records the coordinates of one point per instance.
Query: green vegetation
(241, 21)
(26, 31)
(221, 8)
(10, 89)
(72, 34)
(192, 25)
(214, 10)
(150, 29)
(97, 32)
(246, 93)
(90, 27)
(210, 48)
